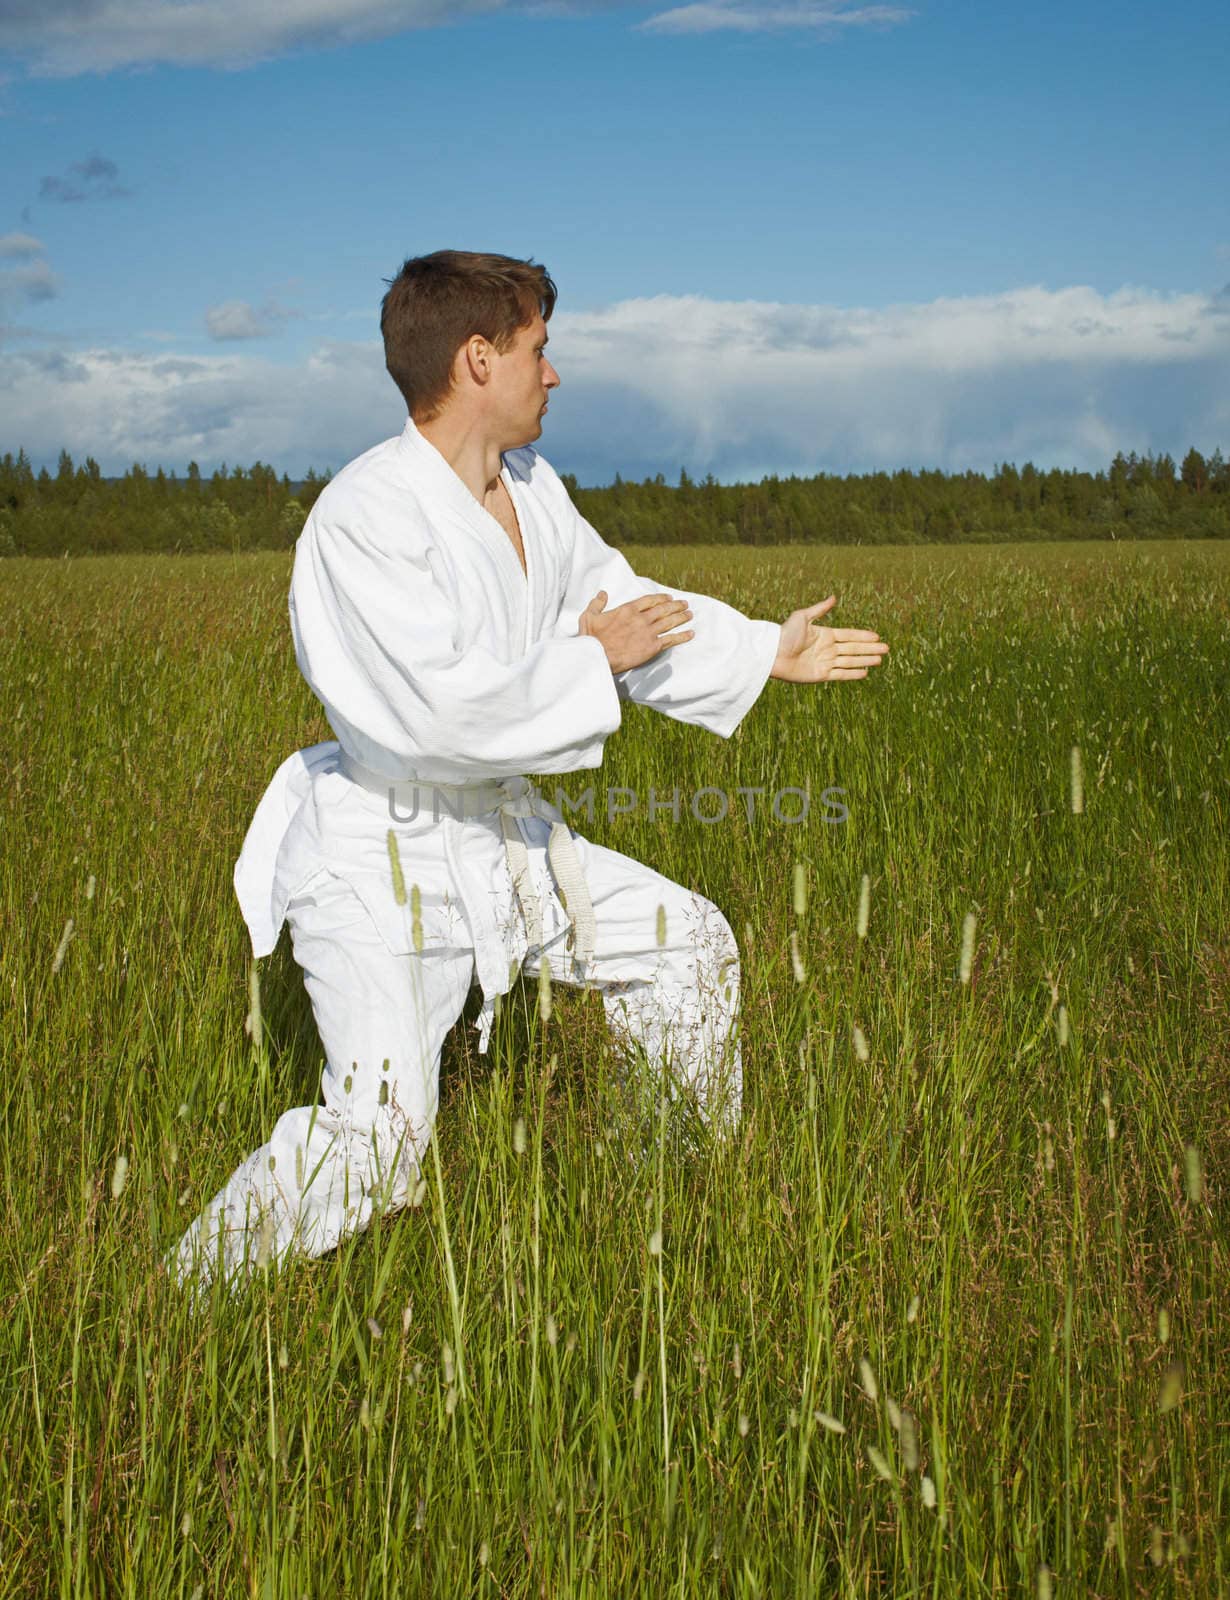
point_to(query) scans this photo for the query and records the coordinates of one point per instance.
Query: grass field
(948, 1318)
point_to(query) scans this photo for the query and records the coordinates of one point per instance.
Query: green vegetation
(76, 511)
(947, 1319)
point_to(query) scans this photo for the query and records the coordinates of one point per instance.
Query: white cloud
(72, 36)
(31, 281)
(64, 37)
(745, 16)
(741, 389)
(18, 246)
(745, 388)
(238, 319)
(121, 406)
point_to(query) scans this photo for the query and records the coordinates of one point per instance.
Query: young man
(462, 625)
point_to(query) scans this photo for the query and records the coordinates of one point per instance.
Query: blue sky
(789, 235)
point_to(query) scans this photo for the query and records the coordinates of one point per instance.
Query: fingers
(855, 636)
(669, 615)
(812, 612)
(860, 655)
(676, 638)
(648, 601)
(598, 603)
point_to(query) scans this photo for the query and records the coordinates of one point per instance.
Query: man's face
(523, 378)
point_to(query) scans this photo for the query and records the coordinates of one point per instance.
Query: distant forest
(76, 511)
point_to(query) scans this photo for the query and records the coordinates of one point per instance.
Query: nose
(550, 377)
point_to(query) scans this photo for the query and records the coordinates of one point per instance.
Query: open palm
(808, 653)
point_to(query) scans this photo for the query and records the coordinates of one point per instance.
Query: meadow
(947, 1318)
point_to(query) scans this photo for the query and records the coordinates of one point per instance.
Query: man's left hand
(811, 654)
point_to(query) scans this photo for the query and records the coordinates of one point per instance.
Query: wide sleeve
(407, 681)
(715, 678)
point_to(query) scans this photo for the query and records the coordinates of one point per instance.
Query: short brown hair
(437, 302)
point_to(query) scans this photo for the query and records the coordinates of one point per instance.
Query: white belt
(508, 798)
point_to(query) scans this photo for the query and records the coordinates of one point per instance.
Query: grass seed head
(860, 1044)
(796, 960)
(264, 1242)
(1078, 782)
(829, 1423)
(57, 960)
(519, 1136)
(866, 1372)
(1195, 1176)
(864, 905)
(928, 1493)
(968, 929)
(399, 880)
(800, 889)
(909, 1442)
(1163, 1326)
(119, 1176)
(880, 1465)
(1043, 1588)
(1171, 1394)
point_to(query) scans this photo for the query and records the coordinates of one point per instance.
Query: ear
(474, 359)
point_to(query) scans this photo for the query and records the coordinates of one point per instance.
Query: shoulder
(365, 476)
(371, 495)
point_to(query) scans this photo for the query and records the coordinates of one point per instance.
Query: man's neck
(466, 446)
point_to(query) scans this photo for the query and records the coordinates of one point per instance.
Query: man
(462, 625)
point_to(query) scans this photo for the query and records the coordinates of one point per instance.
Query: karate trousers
(669, 982)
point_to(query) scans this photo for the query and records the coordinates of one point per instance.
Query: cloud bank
(739, 389)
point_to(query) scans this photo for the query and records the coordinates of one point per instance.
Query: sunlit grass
(945, 1318)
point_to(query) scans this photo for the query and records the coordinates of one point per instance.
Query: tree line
(76, 511)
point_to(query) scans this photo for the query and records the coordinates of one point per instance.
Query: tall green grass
(946, 1318)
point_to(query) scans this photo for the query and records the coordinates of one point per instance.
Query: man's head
(458, 317)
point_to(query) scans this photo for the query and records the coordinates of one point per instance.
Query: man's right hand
(638, 630)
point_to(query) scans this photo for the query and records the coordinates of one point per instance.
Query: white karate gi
(438, 660)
